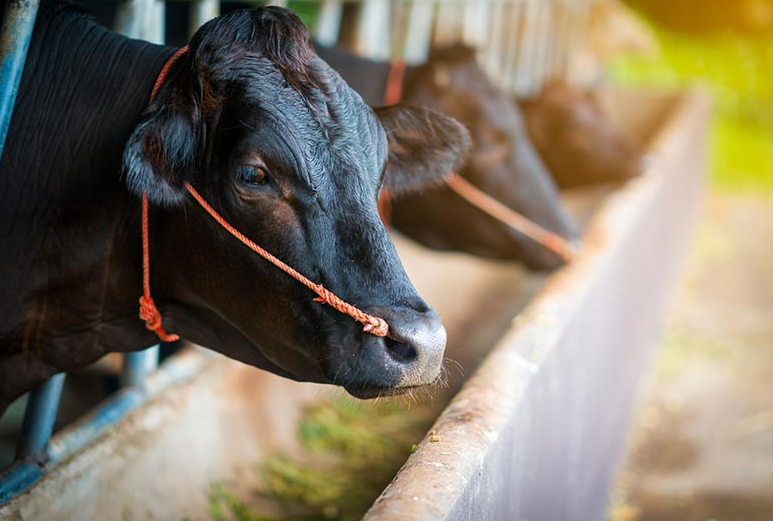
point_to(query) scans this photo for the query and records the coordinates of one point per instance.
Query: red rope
(510, 217)
(394, 86)
(373, 325)
(148, 310)
(149, 313)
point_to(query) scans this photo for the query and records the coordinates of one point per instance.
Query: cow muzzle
(410, 356)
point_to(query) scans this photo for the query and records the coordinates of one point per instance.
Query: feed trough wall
(537, 431)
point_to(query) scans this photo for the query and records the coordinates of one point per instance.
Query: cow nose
(414, 345)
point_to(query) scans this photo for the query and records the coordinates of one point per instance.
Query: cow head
(501, 162)
(578, 139)
(293, 158)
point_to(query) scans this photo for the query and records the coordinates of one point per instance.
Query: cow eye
(251, 175)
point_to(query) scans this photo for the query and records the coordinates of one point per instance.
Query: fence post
(328, 23)
(16, 31)
(447, 23)
(373, 29)
(142, 19)
(39, 420)
(201, 12)
(137, 366)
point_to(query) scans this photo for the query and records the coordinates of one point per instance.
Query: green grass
(350, 452)
(738, 71)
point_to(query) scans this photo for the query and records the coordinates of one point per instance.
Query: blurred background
(703, 444)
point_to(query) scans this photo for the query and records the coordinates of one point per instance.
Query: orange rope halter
(149, 313)
(473, 194)
(394, 84)
(510, 217)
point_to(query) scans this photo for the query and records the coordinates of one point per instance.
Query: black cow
(273, 139)
(502, 161)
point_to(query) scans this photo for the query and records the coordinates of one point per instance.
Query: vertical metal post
(514, 37)
(15, 35)
(39, 419)
(525, 73)
(448, 23)
(373, 29)
(494, 48)
(157, 33)
(475, 17)
(202, 11)
(328, 22)
(137, 366)
(143, 19)
(418, 35)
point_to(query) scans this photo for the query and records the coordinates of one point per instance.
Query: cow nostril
(400, 351)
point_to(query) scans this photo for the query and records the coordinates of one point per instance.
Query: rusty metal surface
(537, 432)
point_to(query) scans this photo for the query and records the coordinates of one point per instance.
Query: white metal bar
(513, 45)
(418, 37)
(447, 23)
(373, 29)
(157, 26)
(527, 47)
(543, 35)
(328, 23)
(493, 56)
(475, 23)
(143, 19)
(201, 12)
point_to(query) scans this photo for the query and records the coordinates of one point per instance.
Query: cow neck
(67, 222)
(63, 210)
(86, 86)
(376, 326)
(393, 93)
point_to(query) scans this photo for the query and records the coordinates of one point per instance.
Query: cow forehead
(330, 127)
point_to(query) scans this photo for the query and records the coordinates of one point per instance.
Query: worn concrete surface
(703, 447)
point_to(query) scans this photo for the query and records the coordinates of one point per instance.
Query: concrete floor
(702, 448)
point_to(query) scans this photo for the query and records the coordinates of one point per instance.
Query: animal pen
(552, 363)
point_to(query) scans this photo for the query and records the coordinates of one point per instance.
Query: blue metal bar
(17, 478)
(15, 35)
(39, 420)
(137, 366)
(174, 370)
(95, 423)
(20, 475)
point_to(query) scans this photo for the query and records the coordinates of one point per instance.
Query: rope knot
(376, 326)
(149, 313)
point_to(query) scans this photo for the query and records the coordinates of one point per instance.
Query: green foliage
(307, 11)
(350, 452)
(737, 71)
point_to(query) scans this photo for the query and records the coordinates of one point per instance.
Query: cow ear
(424, 147)
(161, 153)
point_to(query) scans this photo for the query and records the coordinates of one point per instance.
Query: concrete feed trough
(537, 428)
